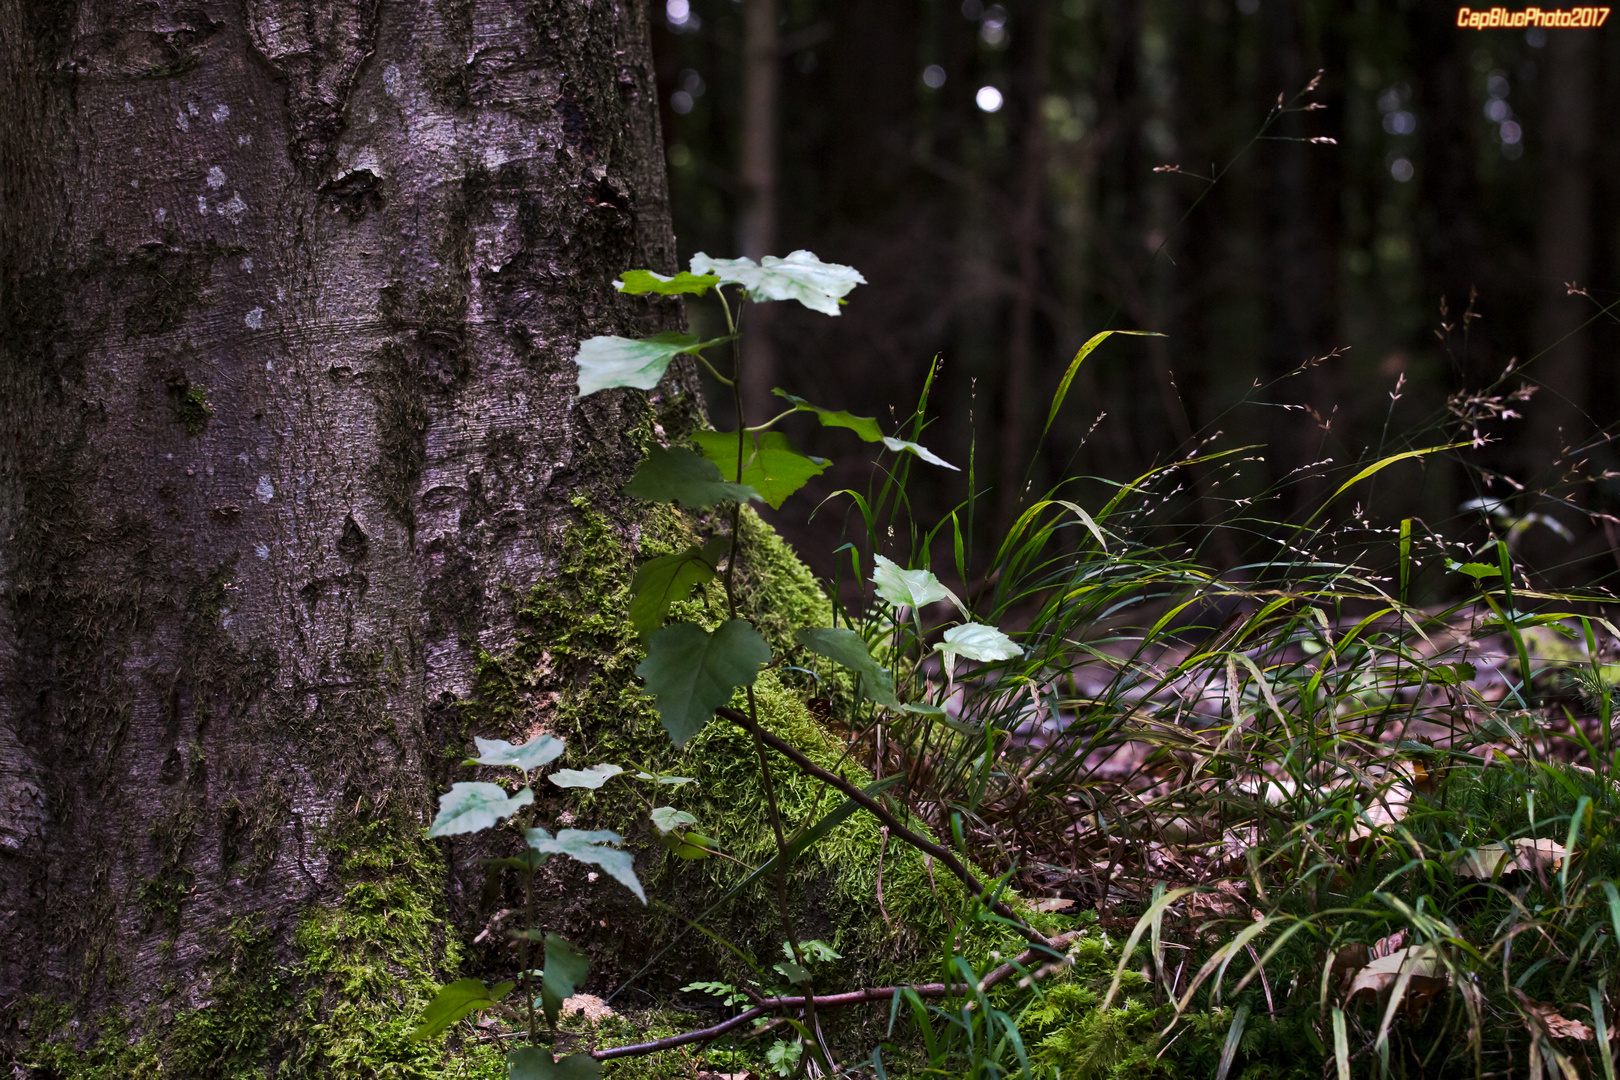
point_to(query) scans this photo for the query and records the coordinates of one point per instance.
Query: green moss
(371, 958)
(229, 1038)
(191, 408)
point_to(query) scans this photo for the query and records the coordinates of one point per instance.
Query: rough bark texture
(290, 292)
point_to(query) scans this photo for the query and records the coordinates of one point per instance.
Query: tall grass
(1340, 832)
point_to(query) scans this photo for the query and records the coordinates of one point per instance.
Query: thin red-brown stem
(878, 810)
(766, 1006)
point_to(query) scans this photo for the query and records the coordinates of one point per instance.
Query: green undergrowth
(572, 674)
(365, 958)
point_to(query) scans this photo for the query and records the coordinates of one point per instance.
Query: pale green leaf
(800, 276)
(591, 847)
(593, 777)
(910, 588)
(468, 808)
(667, 818)
(692, 672)
(772, 467)
(665, 580)
(975, 641)
(455, 1001)
(864, 426)
(650, 281)
(607, 362)
(845, 647)
(682, 476)
(565, 972)
(675, 780)
(531, 755)
(898, 445)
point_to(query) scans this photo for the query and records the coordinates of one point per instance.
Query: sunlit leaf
(667, 818)
(845, 647)
(692, 672)
(455, 1001)
(530, 755)
(675, 780)
(593, 777)
(680, 475)
(771, 466)
(665, 580)
(900, 445)
(975, 641)
(689, 845)
(910, 588)
(564, 973)
(650, 281)
(1474, 570)
(606, 362)
(468, 808)
(800, 276)
(591, 847)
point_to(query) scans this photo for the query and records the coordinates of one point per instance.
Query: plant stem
(771, 806)
(528, 921)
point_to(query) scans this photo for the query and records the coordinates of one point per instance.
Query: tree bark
(290, 294)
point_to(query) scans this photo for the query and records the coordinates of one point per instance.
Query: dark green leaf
(1454, 674)
(846, 647)
(565, 971)
(772, 467)
(692, 672)
(591, 847)
(456, 1000)
(467, 808)
(792, 972)
(679, 475)
(864, 426)
(662, 581)
(536, 1063)
(649, 281)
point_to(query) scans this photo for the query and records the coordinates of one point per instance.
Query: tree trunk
(1563, 257)
(756, 224)
(290, 294)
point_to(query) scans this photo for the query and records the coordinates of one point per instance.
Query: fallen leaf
(1428, 974)
(1527, 854)
(1556, 1025)
(1053, 903)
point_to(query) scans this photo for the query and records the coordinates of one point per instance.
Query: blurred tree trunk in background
(1436, 187)
(756, 218)
(288, 301)
(1564, 243)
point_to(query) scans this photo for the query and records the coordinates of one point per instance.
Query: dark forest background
(1415, 233)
